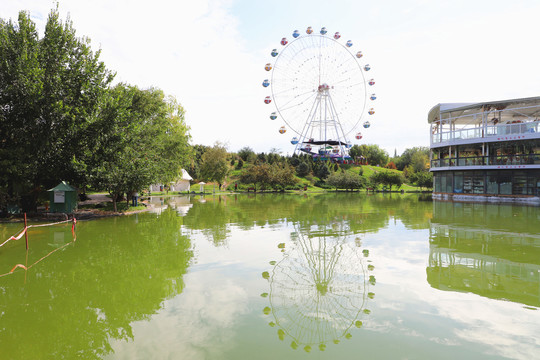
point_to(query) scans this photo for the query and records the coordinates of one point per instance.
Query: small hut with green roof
(63, 198)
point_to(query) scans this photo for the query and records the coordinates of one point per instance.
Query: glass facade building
(486, 151)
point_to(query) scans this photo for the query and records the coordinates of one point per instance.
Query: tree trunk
(114, 201)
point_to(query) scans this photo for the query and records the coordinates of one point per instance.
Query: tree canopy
(214, 166)
(372, 153)
(50, 90)
(61, 120)
(346, 180)
(417, 157)
(277, 176)
(388, 178)
(140, 138)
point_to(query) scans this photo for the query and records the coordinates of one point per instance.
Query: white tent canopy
(182, 183)
(185, 175)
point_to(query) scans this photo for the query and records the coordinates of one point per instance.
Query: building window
(437, 182)
(505, 183)
(534, 183)
(492, 186)
(449, 187)
(478, 183)
(443, 182)
(458, 182)
(467, 183)
(519, 183)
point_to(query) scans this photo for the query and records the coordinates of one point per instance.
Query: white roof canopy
(524, 108)
(185, 175)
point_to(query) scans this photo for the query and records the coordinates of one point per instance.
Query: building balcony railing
(526, 159)
(486, 132)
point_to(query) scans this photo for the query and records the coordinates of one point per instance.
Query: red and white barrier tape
(74, 221)
(15, 237)
(60, 222)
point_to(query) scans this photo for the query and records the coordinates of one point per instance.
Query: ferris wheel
(321, 91)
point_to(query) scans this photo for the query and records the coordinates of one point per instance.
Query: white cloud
(193, 326)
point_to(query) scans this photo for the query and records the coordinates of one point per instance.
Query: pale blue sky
(211, 55)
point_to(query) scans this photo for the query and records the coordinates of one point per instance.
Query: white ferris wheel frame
(314, 94)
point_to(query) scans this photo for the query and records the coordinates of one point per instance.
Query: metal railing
(487, 131)
(522, 159)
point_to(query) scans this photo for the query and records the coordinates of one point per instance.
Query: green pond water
(329, 276)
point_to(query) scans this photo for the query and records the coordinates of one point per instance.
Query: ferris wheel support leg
(343, 151)
(308, 123)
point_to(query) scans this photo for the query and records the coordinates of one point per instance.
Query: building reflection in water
(490, 250)
(319, 290)
(182, 204)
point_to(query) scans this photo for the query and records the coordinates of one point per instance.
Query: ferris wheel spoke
(357, 84)
(286, 107)
(284, 92)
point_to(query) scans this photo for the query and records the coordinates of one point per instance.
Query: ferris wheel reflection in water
(319, 290)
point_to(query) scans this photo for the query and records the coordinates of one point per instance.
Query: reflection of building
(320, 289)
(181, 204)
(486, 151)
(499, 261)
(156, 204)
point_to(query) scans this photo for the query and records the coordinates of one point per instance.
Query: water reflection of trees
(320, 288)
(490, 250)
(119, 271)
(362, 213)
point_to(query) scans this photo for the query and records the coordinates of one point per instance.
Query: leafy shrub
(239, 164)
(346, 180)
(303, 169)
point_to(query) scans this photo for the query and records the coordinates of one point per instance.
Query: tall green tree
(423, 179)
(321, 170)
(194, 168)
(282, 175)
(258, 175)
(215, 166)
(372, 153)
(303, 169)
(50, 89)
(388, 178)
(140, 138)
(416, 156)
(247, 154)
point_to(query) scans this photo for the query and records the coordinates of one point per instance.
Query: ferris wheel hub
(324, 87)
